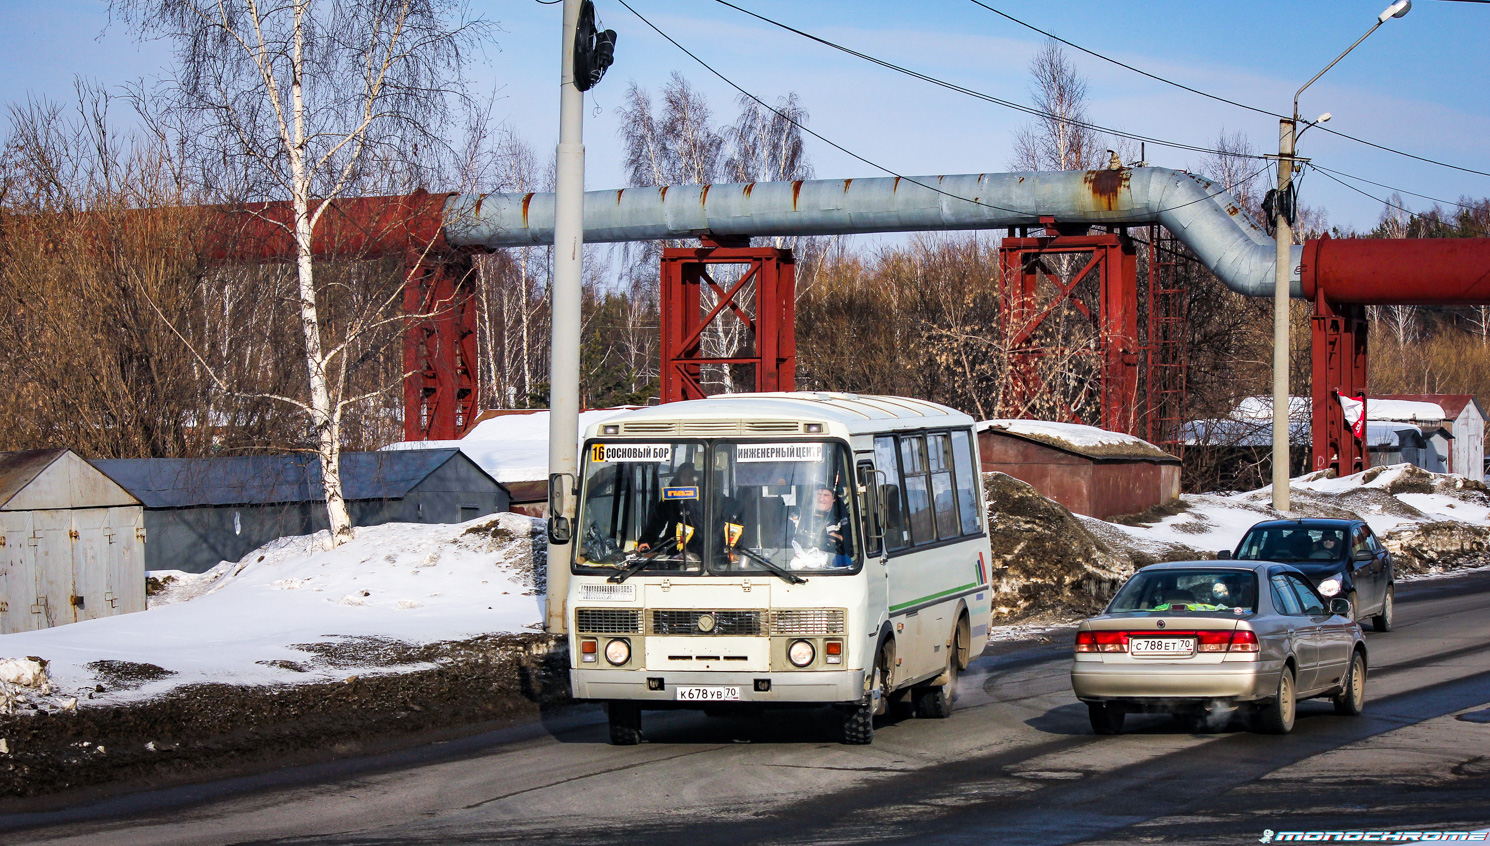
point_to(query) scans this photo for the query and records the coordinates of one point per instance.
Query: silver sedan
(1198, 635)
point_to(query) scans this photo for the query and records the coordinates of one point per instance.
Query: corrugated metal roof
(264, 479)
(19, 469)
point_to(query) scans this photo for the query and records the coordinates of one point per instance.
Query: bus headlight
(1330, 586)
(801, 653)
(618, 651)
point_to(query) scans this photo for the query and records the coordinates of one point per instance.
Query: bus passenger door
(872, 530)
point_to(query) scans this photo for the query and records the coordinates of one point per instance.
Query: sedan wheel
(1352, 696)
(1277, 716)
(1383, 622)
(1106, 718)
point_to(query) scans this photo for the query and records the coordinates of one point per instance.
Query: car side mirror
(1340, 606)
(1362, 555)
(1223, 555)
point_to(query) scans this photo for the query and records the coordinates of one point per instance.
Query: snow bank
(512, 447)
(294, 611)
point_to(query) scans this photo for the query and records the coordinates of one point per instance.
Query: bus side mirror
(560, 527)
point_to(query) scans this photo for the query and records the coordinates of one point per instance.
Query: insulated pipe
(1386, 271)
(1199, 212)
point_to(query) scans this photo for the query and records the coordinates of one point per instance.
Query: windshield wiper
(637, 564)
(790, 577)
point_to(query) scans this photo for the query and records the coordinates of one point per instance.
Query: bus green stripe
(928, 597)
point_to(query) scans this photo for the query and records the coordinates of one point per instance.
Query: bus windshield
(728, 507)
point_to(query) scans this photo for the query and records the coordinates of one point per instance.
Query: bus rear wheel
(936, 702)
(625, 723)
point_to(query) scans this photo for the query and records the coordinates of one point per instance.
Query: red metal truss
(440, 356)
(1339, 369)
(1033, 293)
(762, 299)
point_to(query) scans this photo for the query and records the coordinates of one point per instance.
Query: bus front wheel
(625, 723)
(858, 722)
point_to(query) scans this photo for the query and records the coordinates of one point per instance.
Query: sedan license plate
(708, 694)
(1162, 646)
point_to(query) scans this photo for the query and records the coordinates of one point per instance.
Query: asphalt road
(1016, 764)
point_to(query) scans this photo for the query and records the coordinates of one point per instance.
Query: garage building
(200, 512)
(72, 542)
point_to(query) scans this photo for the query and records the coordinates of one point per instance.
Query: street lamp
(1283, 210)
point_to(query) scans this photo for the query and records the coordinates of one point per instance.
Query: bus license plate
(1161, 645)
(708, 694)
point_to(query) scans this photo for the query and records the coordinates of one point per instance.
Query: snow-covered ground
(294, 611)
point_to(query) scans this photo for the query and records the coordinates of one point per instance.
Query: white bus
(787, 549)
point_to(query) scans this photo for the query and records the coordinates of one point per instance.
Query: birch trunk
(325, 413)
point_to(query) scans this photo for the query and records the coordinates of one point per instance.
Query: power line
(989, 98)
(1221, 99)
(1139, 71)
(835, 145)
(1388, 203)
(1327, 171)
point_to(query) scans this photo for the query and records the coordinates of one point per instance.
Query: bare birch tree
(1058, 139)
(311, 99)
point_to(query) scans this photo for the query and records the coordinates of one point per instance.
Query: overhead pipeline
(1199, 212)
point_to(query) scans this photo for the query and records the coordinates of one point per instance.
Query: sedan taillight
(1101, 641)
(1212, 641)
(1244, 640)
(1241, 640)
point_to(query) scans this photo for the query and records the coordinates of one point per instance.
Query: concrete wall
(1097, 488)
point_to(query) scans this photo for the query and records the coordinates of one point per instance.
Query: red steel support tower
(1339, 368)
(1028, 308)
(755, 315)
(440, 356)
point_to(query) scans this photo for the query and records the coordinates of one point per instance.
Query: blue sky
(1421, 83)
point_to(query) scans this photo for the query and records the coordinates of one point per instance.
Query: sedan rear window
(1174, 591)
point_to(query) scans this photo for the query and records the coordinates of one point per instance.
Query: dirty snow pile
(295, 611)
(1431, 522)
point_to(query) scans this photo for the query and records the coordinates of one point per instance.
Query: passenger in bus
(677, 519)
(822, 526)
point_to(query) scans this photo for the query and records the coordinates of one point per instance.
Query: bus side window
(968, 481)
(916, 487)
(886, 460)
(869, 510)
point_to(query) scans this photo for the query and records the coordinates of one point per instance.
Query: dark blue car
(1341, 558)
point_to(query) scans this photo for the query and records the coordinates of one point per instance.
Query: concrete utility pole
(1283, 272)
(563, 382)
(1281, 284)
